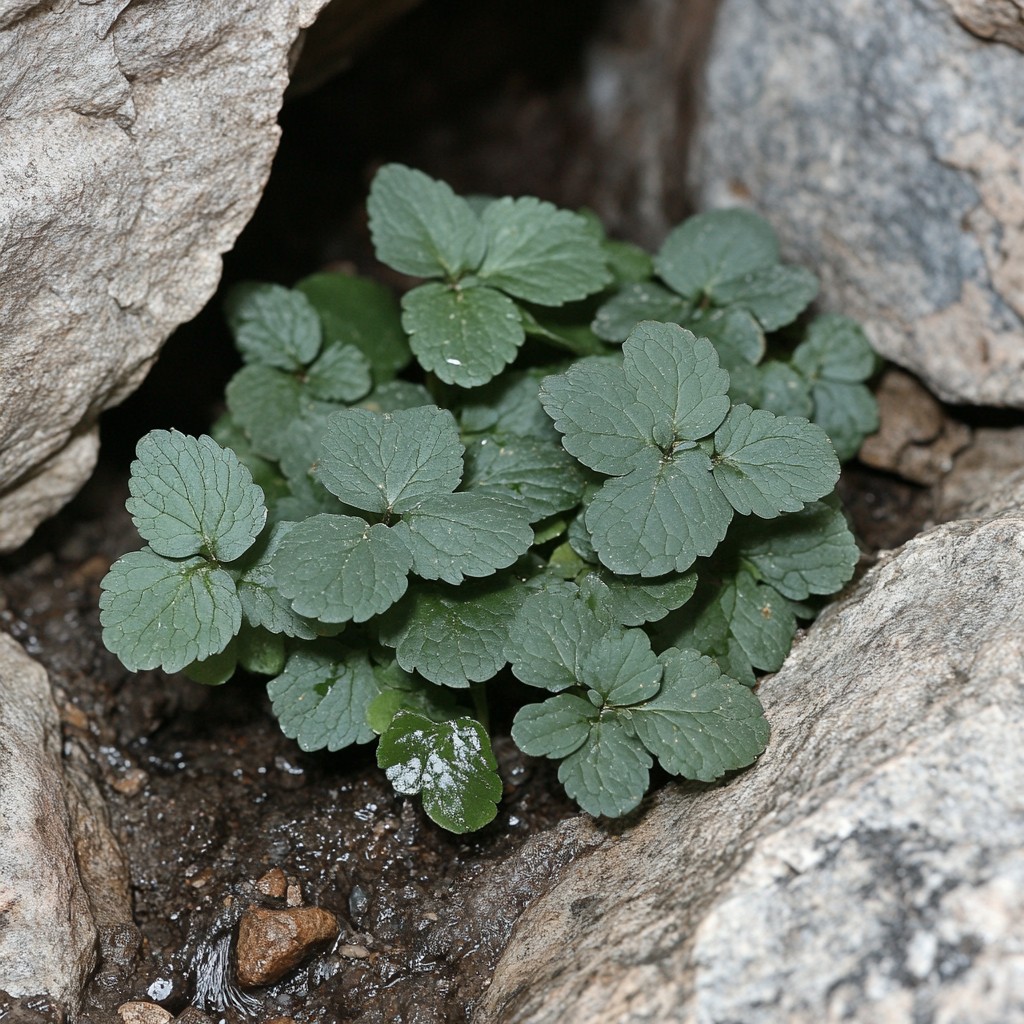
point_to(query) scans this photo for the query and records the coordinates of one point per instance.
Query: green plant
(589, 481)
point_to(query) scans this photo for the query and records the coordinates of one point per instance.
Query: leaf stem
(480, 705)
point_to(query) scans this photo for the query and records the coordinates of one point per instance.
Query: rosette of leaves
(720, 276)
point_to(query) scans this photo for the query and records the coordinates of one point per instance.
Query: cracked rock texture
(885, 144)
(135, 143)
(868, 868)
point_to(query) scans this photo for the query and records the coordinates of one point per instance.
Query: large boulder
(869, 867)
(885, 143)
(135, 143)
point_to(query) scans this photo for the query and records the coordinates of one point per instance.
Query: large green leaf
(190, 496)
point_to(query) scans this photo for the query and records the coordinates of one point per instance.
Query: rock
(273, 942)
(916, 440)
(985, 476)
(140, 1012)
(885, 145)
(273, 883)
(869, 867)
(1000, 20)
(135, 144)
(48, 936)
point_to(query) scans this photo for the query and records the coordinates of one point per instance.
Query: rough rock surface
(885, 144)
(47, 932)
(135, 143)
(273, 942)
(869, 867)
(1001, 20)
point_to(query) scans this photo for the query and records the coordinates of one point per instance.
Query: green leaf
(158, 612)
(645, 300)
(678, 378)
(563, 327)
(189, 495)
(809, 552)
(555, 727)
(846, 412)
(393, 395)
(322, 696)
(389, 462)
(453, 636)
(455, 535)
(661, 517)
(621, 668)
(401, 691)
(421, 227)
(628, 263)
(597, 412)
(610, 773)
(550, 636)
(539, 473)
(361, 312)
(783, 391)
(262, 603)
(449, 762)
(510, 406)
(762, 622)
(265, 474)
(273, 326)
(336, 568)
(632, 601)
(702, 724)
(260, 652)
(712, 248)
(465, 336)
(836, 349)
(217, 669)
(340, 374)
(736, 335)
(776, 295)
(769, 464)
(541, 254)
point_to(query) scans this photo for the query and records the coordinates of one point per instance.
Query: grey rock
(135, 142)
(47, 932)
(1001, 20)
(885, 145)
(868, 868)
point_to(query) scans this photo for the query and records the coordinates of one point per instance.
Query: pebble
(138, 1012)
(273, 883)
(273, 942)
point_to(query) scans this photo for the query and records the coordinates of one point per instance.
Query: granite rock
(869, 867)
(885, 144)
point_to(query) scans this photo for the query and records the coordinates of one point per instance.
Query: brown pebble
(138, 1012)
(272, 942)
(131, 783)
(273, 883)
(294, 895)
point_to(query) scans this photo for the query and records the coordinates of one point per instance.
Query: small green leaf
(621, 667)
(632, 601)
(702, 724)
(783, 391)
(322, 696)
(661, 517)
(762, 623)
(262, 603)
(776, 295)
(628, 263)
(464, 534)
(260, 652)
(465, 336)
(449, 762)
(769, 464)
(336, 568)
(361, 312)
(421, 227)
(401, 691)
(393, 395)
(274, 326)
(846, 412)
(510, 406)
(645, 300)
(189, 495)
(609, 773)
(158, 612)
(711, 248)
(567, 327)
(539, 473)
(837, 349)
(217, 669)
(340, 374)
(453, 636)
(389, 462)
(736, 335)
(555, 727)
(541, 254)
(809, 552)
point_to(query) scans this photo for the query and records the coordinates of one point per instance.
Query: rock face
(47, 932)
(135, 143)
(885, 144)
(869, 867)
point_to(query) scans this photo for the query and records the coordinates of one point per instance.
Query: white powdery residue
(465, 744)
(439, 774)
(406, 777)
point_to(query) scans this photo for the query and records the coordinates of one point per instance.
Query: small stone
(273, 942)
(131, 783)
(294, 895)
(354, 952)
(138, 1012)
(273, 883)
(193, 1015)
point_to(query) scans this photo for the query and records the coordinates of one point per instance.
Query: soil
(204, 792)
